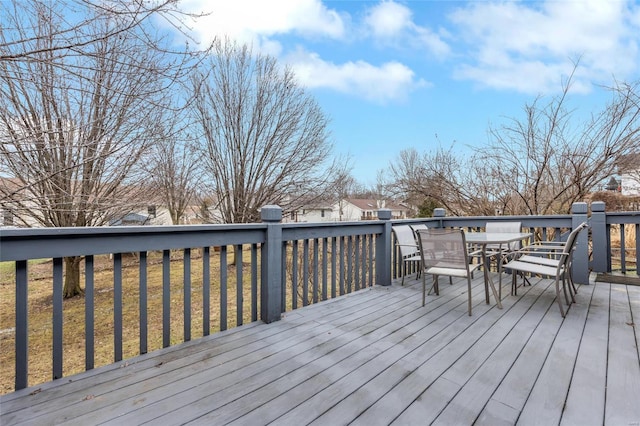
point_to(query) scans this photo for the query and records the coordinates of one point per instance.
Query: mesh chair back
(405, 239)
(443, 248)
(572, 239)
(417, 227)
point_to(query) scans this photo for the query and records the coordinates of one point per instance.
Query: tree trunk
(72, 277)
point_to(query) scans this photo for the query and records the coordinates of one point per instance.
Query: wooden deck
(377, 357)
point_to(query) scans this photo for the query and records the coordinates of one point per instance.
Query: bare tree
(174, 175)
(550, 159)
(80, 105)
(439, 178)
(539, 164)
(17, 41)
(266, 139)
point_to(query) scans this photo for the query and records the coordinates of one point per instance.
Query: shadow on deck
(376, 357)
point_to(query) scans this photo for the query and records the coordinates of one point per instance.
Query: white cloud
(388, 19)
(255, 21)
(392, 23)
(392, 81)
(265, 23)
(517, 46)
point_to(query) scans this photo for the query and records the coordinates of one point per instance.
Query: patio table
(483, 239)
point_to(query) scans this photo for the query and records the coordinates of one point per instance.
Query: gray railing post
(271, 276)
(601, 252)
(383, 250)
(439, 213)
(580, 265)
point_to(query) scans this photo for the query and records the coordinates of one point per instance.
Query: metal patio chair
(444, 252)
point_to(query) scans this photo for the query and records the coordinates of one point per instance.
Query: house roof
(130, 219)
(373, 204)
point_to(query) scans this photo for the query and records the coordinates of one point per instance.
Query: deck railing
(278, 267)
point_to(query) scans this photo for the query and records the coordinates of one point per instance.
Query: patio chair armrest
(550, 244)
(541, 252)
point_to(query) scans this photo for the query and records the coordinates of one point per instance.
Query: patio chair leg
(469, 289)
(564, 290)
(433, 287)
(558, 298)
(570, 278)
(572, 293)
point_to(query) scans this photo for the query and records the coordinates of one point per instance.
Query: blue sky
(426, 74)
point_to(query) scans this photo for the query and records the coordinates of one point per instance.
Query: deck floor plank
(377, 357)
(623, 372)
(548, 396)
(585, 402)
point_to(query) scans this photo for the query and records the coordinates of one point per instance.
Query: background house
(629, 170)
(367, 209)
(348, 209)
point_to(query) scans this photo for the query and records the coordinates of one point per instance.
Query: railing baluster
(223, 288)
(341, 271)
(315, 269)
(57, 317)
(206, 290)
(349, 263)
(362, 261)
(239, 292)
(283, 279)
(186, 278)
(89, 314)
(305, 272)
(623, 255)
(142, 303)
(371, 257)
(22, 325)
(638, 249)
(324, 268)
(117, 307)
(254, 282)
(356, 249)
(166, 298)
(365, 260)
(294, 274)
(334, 271)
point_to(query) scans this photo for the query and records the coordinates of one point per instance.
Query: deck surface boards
(478, 385)
(419, 387)
(258, 389)
(547, 398)
(585, 401)
(623, 369)
(377, 357)
(367, 383)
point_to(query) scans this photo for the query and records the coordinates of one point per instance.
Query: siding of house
(630, 183)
